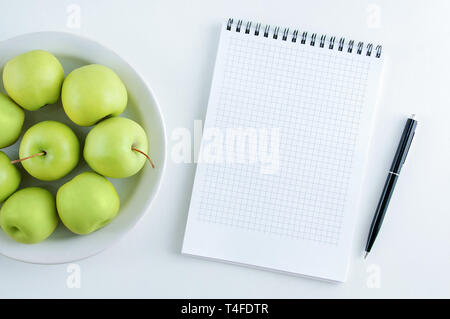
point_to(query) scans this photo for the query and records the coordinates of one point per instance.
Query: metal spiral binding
(304, 36)
(323, 37)
(313, 39)
(350, 46)
(294, 36)
(303, 39)
(275, 32)
(285, 34)
(266, 31)
(247, 28)
(331, 46)
(341, 44)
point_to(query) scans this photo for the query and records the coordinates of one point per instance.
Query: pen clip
(409, 146)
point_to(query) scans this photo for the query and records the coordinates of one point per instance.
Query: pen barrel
(403, 146)
(381, 209)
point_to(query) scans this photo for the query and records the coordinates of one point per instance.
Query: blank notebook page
(283, 151)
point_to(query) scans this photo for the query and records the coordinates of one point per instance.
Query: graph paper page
(282, 155)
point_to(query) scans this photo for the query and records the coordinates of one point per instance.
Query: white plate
(136, 193)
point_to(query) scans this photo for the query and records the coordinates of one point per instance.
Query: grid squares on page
(315, 99)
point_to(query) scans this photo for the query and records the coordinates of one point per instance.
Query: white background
(173, 44)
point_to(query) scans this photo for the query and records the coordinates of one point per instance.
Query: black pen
(394, 173)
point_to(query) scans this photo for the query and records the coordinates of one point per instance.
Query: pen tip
(365, 255)
(413, 116)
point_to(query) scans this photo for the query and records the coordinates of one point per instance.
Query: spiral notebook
(283, 150)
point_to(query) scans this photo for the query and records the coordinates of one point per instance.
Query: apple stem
(28, 157)
(148, 157)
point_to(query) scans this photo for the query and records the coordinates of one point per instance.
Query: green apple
(116, 147)
(92, 93)
(11, 121)
(87, 202)
(49, 150)
(29, 215)
(9, 177)
(33, 79)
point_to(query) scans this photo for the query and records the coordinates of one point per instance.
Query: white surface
(311, 109)
(74, 51)
(173, 44)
